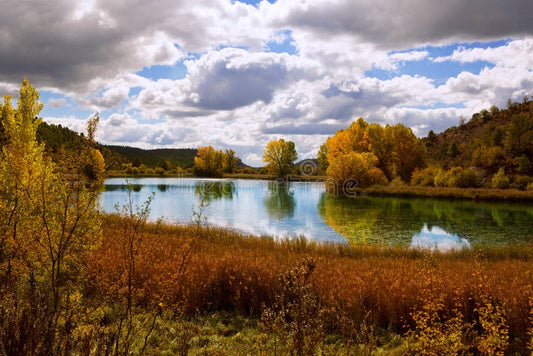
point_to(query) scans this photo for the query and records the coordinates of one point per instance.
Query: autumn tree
(208, 162)
(47, 225)
(396, 152)
(280, 156)
(355, 170)
(407, 151)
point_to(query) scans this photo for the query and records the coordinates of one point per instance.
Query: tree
(280, 156)
(208, 162)
(48, 223)
(230, 161)
(322, 157)
(408, 151)
(355, 169)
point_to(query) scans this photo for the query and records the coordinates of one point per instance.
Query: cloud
(224, 80)
(231, 78)
(57, 103)
(411, 23)
(515, 53)
(232, 92)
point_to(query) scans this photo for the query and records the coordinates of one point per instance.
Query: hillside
(490, 140)
(58, 138)
(182, 157)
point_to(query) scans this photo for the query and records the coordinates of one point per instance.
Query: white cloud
(517, 53)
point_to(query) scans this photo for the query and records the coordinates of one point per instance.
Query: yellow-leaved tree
(369, 154)
(280, 156)
(48, 221)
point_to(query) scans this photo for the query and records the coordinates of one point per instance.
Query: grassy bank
(448, 193)
(337, 297)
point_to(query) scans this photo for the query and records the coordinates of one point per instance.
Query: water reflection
(396, 220)
(280, 200)
(438, 239)
(211, 190)
(281, 209)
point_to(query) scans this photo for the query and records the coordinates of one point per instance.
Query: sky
(236, 74)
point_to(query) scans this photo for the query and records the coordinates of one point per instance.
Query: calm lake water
(292, 209)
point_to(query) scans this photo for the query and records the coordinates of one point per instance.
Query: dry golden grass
(201, 271)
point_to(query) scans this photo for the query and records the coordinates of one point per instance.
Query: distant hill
(491, 139)
(182, 157)
(58, 138)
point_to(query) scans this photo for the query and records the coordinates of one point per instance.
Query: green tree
(229, 161)
(322, 158)
(280, 156)
(519, 138)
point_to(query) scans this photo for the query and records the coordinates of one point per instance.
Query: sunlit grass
(198, 272)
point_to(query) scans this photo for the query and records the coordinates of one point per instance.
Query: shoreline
(473, 194)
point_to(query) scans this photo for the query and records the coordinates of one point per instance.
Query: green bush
(425, 177)
(520, 182)
(440, 179)
(500, 180)
(466, 179)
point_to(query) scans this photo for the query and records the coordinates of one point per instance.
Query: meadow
(298, 297)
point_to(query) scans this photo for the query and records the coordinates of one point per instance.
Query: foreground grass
(391, 300)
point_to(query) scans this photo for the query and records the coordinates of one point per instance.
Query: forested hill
(177, 157)
(57, 138)
(490, 140)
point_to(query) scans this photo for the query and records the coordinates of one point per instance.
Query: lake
(283, 209)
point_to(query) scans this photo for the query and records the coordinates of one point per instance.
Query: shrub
(159, 171)
(466, 179)
(425, 177)
(397, 182)
(520, 182)
(440, 178)
(500, 180)
(297, 316)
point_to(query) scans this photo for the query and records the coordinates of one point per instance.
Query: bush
(440, 179)
(425, 177)
(500, 180)
(455, 177)
(521, 182)
(466, 179)
(397, 182)
(160, 171)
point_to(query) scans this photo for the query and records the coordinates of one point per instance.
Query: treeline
(492, 150)
(166, 158)
(210, 162)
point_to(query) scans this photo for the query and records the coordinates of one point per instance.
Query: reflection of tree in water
(362, 221)
(395, 220)
(162, 187)
(211, 190)
(122, 187)
(280, 200)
